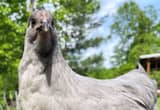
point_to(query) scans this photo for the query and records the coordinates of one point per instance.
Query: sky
(109, 8)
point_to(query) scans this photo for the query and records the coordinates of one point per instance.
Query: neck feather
(58, 74)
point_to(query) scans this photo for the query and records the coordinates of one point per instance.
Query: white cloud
(109, 7)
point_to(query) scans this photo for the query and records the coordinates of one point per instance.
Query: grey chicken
(46, 82)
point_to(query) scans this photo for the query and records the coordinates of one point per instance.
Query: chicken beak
(45, 26)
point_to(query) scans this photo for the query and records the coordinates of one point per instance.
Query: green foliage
(7, 100)
(137, 32)
(103, 73)
(156, 75)
(11, 41)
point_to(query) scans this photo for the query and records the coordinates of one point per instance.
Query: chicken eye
(52, 23)
(33, 21)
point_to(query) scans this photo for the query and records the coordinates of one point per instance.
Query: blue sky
(109, 7)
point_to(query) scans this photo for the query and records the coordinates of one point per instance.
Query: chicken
(46, 82)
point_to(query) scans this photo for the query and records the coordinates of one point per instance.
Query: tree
(137, 31)
(13, 16)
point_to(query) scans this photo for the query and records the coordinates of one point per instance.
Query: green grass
(158, 102)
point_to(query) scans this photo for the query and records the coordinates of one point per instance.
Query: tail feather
(140, 67)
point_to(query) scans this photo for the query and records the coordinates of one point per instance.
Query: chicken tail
(140, 67)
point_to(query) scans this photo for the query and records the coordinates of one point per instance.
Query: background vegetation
(137, 31)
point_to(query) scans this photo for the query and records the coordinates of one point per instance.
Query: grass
(158, 102)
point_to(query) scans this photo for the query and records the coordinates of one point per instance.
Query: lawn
(158, 102)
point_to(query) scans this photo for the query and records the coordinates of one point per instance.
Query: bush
(156, 75)
(8, 100)
(104, 73)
